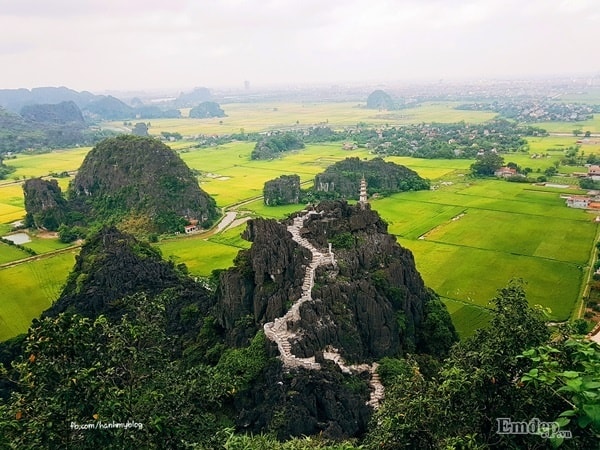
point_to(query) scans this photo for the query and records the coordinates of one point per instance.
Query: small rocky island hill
(127, 178)
(342, 180)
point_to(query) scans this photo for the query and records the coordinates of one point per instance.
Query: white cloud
(103, 44)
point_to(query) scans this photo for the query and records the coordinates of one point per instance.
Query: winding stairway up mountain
(279, 332)
(329, 317)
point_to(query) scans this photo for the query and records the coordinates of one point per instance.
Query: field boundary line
(571, 263)
(584, 290)
(38, 257)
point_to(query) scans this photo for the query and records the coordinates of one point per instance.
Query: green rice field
(469, 236)
(28, 289)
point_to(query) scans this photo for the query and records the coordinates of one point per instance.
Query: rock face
(46, 207)
(113, 265)
(141, 176)
(284, 190)
(368, 302)
(265, 279)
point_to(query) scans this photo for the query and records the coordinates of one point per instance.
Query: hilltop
(140, 177)
(342, 179)
(136, 182)
(360, 303)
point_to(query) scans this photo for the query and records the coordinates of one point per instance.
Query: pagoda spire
(362, 198)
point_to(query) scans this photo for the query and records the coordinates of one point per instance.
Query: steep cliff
(330, 314)
(112, 266)
(284, 190)
(46, 207)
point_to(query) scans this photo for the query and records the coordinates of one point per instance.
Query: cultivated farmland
(28, 289)
(469, 237)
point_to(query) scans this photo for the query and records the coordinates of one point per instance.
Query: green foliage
(4, 169)
(343, 240)
(284, 190)
(487, 164)
(588, 183)
(46, 208)
(343, 179)
(571, 368)
(69, 234)
(267, 442)
(83, 371)
(478, 383)
(238, 367)
(141, 176)
(390, 369)
(276, 143)
(437, 333)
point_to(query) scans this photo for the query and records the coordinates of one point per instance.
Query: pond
(18, 238)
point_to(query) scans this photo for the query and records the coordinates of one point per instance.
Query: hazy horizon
(140, 46)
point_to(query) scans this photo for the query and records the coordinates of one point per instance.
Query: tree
(487, 164)
(576, 132)
(479, 382)
(587, 134)
(81, 371)
(570, 366)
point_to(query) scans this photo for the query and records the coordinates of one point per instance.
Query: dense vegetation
(536, 111)
(140, 177)
(45, 205)
(18, 134)
(4, 169)
(158, 361)
(137, 182)
(275, 143)
(486, 378)
(449, 141)
(342, 179)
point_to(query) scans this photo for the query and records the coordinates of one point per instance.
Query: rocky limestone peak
(334, 293)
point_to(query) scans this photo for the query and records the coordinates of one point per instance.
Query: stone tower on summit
(362, 198)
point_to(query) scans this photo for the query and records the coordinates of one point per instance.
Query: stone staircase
(278, 332)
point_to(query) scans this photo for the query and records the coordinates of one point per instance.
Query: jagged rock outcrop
(326, 311)
(265, 279)
(45, 206)
(284, 190)
(113, 265)
(141, 176)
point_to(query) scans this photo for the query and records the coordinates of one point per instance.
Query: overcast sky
(144, 44)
